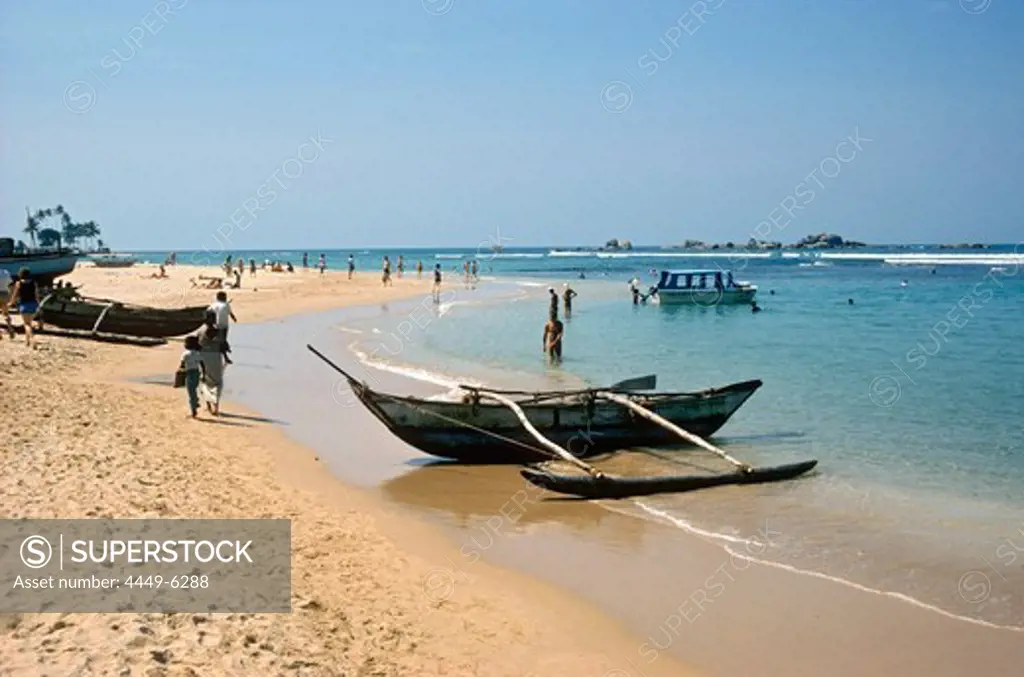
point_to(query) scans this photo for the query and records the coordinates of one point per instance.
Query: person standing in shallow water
(553, 301)
(567, 296)
(553, 331)
(437, 283)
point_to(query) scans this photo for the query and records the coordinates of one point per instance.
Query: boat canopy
(696, 279)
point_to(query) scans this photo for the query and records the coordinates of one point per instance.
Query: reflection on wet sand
(468, 496)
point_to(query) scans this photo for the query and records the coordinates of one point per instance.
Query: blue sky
(442, 121)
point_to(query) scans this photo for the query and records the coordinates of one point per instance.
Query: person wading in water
(553, 331)
(567, 296)
(553, 298)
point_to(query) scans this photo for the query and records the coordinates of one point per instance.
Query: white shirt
(222, 309)
(191, 360)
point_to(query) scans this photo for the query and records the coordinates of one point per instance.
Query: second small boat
(703, 288)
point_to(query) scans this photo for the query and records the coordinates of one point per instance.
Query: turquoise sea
(911, 398)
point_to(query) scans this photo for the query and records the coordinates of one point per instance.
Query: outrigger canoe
(489, 426)
(475, 430)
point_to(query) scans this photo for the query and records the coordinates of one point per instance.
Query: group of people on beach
(554, 330)
(201, 369)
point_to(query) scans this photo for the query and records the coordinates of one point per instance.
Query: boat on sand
(113, 317)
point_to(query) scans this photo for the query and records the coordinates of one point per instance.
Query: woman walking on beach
(26, 297)
(192, 365)
(210, 353)
(386, 273)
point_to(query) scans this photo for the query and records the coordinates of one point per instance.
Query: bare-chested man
(553, 331)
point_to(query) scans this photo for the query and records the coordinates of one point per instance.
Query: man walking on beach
(223, 315)
(386, 273)
(553, 331)
(351, 266)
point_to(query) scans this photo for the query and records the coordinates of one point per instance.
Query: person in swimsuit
(567, 296)
(351, 266)
(437, 283)
(385, 276)
(26, 296)
(401, 266)
(553, 298)
(419, 269)
(553, 331)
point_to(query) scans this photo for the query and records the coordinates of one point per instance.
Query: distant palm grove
(44, 235)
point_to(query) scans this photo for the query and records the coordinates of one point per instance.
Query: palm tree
(68, 229)
(31, 226)
(90, 230)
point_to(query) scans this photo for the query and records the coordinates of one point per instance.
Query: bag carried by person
(179, 378)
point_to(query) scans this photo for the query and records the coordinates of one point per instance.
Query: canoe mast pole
(668, 425)
(545, 442)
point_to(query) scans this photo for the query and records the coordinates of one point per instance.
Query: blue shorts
(28, 308)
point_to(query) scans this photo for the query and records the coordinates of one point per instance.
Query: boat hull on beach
(43, 267)
(116, 318)
(476, 431)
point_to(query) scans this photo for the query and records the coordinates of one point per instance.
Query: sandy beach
(90, 442)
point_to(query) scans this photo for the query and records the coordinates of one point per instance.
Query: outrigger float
(489, 426)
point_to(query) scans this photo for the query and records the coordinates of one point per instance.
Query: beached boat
(703, 288)
(488, 426)
(113, 260)
(43, 265)
(475, 430)
(112, 317)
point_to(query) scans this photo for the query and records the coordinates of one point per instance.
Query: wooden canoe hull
(124, 320)
(623, 487)
(490, 433)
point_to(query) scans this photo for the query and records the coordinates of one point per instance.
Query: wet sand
(95, 431)
(685, 596)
